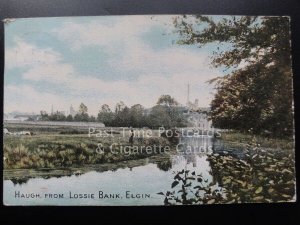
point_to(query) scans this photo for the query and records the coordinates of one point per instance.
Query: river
(137, 185)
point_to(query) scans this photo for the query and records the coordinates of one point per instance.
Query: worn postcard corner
(148, 110)
(8, 20)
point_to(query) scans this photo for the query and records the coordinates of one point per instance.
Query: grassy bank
(264, 142)
(265, 174)
(68, 150)
(262, 176)
(19, 176)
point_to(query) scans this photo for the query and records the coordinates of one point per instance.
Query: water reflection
(197, 145)
(151, 175)
(19, 181)
(164, 165)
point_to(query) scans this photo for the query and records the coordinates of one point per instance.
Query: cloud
(53, 73)
(40, 64)
(160, 71)
(25, 98)
(26, 55)
(101, 32)
(168, 61)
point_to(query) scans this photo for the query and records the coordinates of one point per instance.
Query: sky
(101, 60)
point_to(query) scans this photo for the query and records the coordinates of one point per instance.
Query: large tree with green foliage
(256, 94)
(166, 113)
(105, 115)
(82, 114)
(167, 100)
(137, 118)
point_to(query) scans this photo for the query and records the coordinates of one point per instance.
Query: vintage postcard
(148, 110)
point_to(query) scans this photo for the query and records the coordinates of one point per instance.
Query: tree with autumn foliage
(256, 94)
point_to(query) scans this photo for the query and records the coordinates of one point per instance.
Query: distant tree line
(165, 113)
(81, 116)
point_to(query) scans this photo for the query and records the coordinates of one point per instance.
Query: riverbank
(261, 176)
(20, 176)
(266, 172)
(69, 150)
(264, 142)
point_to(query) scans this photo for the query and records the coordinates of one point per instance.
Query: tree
(81, 117)
(166, 113)
(69, 118)
(257, 94)
(159, 116)
(44, 116)
(57, 116)
(120, 106)
(122, 115)
(137, 115)
(167, 100)
(83, 109)
(105, 115)
(105, 108)
(82, 114)
(92, 119)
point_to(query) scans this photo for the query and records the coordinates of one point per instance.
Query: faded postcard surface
(148, 110)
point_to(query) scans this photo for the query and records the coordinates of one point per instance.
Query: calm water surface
(135, 186)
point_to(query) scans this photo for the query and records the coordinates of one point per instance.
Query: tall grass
(55, 151)
(243, 138)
